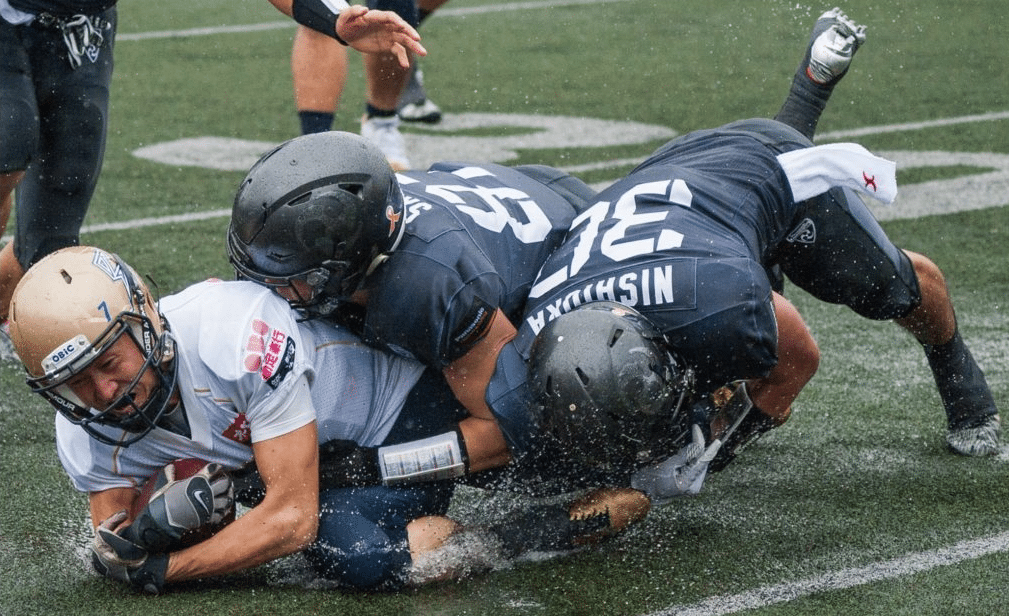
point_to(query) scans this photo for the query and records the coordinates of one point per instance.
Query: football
(184, 469)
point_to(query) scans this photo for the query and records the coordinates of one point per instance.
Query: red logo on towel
(870, 182)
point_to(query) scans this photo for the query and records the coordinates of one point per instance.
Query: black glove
(120, 559)
(177, 506)
(344, 463)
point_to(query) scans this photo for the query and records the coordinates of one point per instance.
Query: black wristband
(344, 463)
(462, 447)
(315, 14)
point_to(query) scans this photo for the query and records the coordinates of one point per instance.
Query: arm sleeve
(319, 15)
(291, 411)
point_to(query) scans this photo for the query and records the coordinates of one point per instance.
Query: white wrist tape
(429, 459)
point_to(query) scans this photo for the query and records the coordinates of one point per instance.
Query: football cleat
(835, 40)
(384, 133)
(978, 441)
(425, 111)
(414, 105)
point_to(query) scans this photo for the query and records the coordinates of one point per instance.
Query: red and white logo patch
(266, 350)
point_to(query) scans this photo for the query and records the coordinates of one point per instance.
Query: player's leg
(832, 45)
(839, 254)
(319, 72)
(772, 396)
(73, 104)
(19, 138)
(414, 104)
(384, 82)
(363, 539)
(971, 414)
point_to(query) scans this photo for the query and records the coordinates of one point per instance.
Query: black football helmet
(318, 209)
(609, 388)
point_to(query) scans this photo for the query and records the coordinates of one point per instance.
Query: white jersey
(241, 355)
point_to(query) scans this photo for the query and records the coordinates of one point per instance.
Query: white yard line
(288, 23)
(909, 564)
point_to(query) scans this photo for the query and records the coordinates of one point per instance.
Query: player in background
(319, 72)
(54, 92)
(222, 372)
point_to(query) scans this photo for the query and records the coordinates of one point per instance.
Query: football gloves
(680, 475)
(123, 560)
(177, 506)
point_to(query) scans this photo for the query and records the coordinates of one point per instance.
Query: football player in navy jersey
(320, 219)
(432, 265)
(694, 237)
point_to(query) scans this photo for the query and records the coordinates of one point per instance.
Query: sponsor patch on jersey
(474, 328)
(270, 352)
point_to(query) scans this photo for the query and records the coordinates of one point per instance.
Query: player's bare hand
(379, 32)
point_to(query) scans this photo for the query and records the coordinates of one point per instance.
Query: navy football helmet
(609, 387)
(312, 215)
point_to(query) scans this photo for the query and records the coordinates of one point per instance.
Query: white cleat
(833, 48)
(384, 133)
(978, 441)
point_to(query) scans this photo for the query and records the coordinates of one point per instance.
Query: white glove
(680, 475)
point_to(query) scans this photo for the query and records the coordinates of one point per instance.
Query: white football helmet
(68, 309)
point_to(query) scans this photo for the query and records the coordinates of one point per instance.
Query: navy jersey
(682, 239)
(687, 238)
(475, 239)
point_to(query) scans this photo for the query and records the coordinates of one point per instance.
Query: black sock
(961, 383)
(804, 105)
(374, 112)
(315, 121)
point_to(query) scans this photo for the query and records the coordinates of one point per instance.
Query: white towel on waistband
(813, 171)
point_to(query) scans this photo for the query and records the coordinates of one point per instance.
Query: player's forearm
(108, 502)
(267, 532)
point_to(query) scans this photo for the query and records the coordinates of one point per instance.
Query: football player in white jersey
(223, 372)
